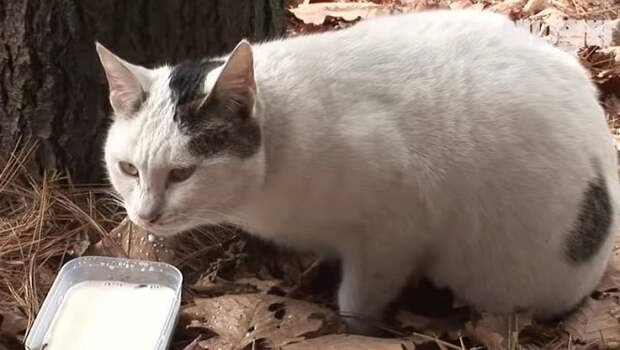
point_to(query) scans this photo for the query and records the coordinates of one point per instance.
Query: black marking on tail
(593, 223)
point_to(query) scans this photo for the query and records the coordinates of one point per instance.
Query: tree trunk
(52, 87)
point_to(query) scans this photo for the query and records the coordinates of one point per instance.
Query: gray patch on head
(187, 79)
(593, 223)
(216, 126)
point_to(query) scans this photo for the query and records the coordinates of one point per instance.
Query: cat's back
(424, 39)
(428, 65)
(436, 55)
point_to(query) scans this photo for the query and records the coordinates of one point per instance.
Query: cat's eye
(128, 169)
(181, 174)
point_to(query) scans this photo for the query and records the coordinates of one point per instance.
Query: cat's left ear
(235, 86)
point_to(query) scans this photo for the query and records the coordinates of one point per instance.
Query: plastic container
(86, 269)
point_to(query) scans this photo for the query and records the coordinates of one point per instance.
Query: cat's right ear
(128, 83)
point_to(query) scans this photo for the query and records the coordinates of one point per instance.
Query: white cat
(446, 144)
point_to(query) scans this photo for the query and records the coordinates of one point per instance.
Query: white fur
(444, 144)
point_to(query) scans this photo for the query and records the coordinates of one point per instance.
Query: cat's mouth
(161, 228)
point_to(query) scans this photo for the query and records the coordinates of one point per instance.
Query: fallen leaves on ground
(604, 69)
(350, 342)
(13, 326)
(572, 34)
(348, 11)
(316, 16)
(239, 321)
(498, 332)
(128, 240)
(597, 321)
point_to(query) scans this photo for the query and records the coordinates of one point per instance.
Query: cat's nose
(150, 218)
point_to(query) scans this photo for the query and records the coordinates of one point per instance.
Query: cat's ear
(127, 82)
(235, 85)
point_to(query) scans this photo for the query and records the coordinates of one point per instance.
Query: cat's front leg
(370, 281)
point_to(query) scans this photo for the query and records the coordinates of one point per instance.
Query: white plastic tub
(98, 299)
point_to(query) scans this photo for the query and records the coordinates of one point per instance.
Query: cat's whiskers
(225, 229)
(208, 225)
(197, 215)
(116, 198)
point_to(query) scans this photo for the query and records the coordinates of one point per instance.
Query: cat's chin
(159, 231)
(170, 230)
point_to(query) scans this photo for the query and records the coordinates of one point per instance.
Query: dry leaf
(13, 323)
(428, 325)
(213, 286)
(350, 11)
(511, 8)
(80, 245)
(596, 321)
(534, 6)
(572, 34)
(350, 342)
(239, 320)
(460, 4)
(548, 14)
(498, 332)
(611, 278)
(13, 326)
(604, 70)
(131, 241)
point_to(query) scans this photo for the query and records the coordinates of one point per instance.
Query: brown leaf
(548, 14)
(131, 241)
(535, 6)
(214, 286)
(460, 4)
(422, 5)
(13, 323)
(429, 325)
(596, 321)
(78, 247)
(511, 8)
(498, 332)
(604, 70)
(240, 320)
(13, 326)
(350, 342)
(571, 34)
(349, 11)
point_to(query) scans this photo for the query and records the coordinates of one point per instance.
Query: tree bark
(52, 87)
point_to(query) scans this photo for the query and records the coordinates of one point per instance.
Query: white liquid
(110, 315)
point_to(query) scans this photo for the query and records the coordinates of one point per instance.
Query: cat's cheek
(128, 191)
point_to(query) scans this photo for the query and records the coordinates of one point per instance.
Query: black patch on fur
(593, 223)
(187, 79)
(216, 126)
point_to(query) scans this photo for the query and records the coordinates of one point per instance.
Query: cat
(444, 144)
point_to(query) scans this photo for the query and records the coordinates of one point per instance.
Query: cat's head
(185, 147)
